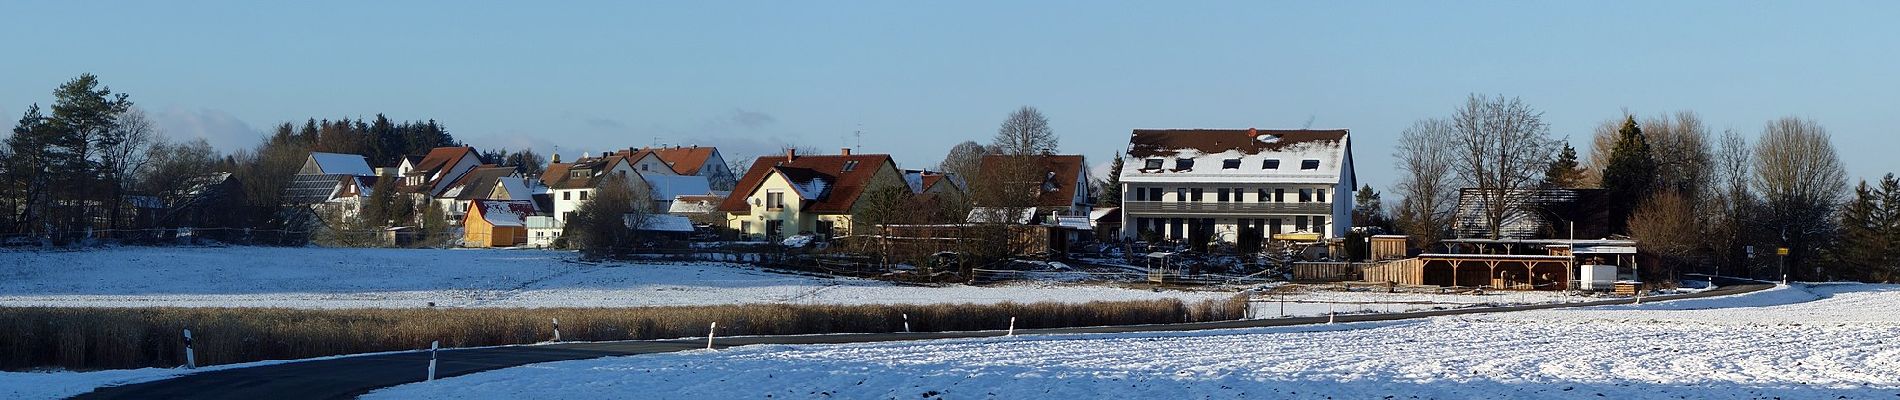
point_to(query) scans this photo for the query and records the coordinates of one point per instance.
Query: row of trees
(1695, 200)
(72, 172)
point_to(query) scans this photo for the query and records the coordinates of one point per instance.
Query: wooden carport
(1499, 271)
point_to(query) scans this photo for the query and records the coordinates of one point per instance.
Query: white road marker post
(1012, 327)
(191, 358)
(557, 329)
(1283, 305)
(433, 346)
(709, 334)
(906, 322)
(1332, 311)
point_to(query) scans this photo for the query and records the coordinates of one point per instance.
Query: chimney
(844, 151)
(791, 154)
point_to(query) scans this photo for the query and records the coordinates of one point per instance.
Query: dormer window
(1152, 163)
(579, 173)
(1183, 164)
(1309, 164)
(1271, 164)
(646, 167)
(1231, 163)
(850, 165)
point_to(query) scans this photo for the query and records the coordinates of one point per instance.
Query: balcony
(1228, 208)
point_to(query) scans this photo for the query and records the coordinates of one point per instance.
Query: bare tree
(1502, 147)
(1679, 144)
(1801, 180)
(964, 159)
(171, 168)
(1730, 207)
(1665, 224)
(605, 225)
(122, 151)
(1025, 132)
(1428, 195)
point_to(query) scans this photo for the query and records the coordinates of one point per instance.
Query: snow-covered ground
(1827, 341)
(406, 278)
(1327, 300)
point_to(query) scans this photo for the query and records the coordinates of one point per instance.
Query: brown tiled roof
(442, 157)
(842, 189)
(477, 182)
(931, 180)
(1167, 142)
(557, 175)
(1059, 172)
(684, 160)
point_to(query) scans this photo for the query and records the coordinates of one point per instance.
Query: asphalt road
(348, 377)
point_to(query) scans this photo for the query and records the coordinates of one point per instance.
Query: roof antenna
(860, 135)
(1309, 122)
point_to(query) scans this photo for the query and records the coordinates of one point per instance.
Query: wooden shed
(496, 223)
(1390, 247)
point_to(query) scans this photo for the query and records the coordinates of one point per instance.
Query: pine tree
(1368, 210)
(1630, 175)
(1111, 194)
(1564, 172)
(1863, 241)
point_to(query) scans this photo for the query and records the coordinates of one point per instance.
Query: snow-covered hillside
(1829, 341)
(404, 278)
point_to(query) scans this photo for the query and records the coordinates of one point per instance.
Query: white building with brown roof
(1237, 185)
(792, 194)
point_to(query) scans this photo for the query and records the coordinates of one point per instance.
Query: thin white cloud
(223, 130)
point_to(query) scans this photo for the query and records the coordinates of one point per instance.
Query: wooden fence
(1406, 271)
(1324, 272)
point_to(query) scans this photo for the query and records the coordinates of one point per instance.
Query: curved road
(348, 377)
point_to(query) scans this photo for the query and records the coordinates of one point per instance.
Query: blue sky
(918, 77)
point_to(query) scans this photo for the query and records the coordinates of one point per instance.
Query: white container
(1597, 277)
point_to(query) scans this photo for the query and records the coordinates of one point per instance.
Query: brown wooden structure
(1498, 271)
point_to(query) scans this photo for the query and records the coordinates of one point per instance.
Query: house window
(1263, 196)
(1152, 163)
(567, 215)
(1141, 194)
(1279, 195)
(1231, 163)
(1306, 195)
(1194, 194)
(1299, 223)
(1154, 194)
(579, 173)
(567, 195)
(1222, 196)
(850, 165)
(1237, 193)
(583, 195)
(1319, 195)
(643, 167)
(1180, 194)
(1270, 164)
(745, 226)
(1319, 223)
(1309, 164)
(1183, 164)
(774, 200)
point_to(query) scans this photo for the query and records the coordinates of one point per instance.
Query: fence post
(906, 322)
(1012, 327)
(557, 329)
(433, 346)
(191, 359)
(709, 334)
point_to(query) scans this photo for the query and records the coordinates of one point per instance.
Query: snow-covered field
(1827, 341)
(405, 278)
(1327, 300)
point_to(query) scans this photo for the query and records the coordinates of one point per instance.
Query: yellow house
(496, 223)
(798, 194)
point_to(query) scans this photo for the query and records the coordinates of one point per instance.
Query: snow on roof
(504, 212)
(672, 186)
(1001, 215)
(342, 164)
(1080, 223)
(1097, 214)
(663, 223)
(517, 188)
(695, 204)
(1229, 156)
